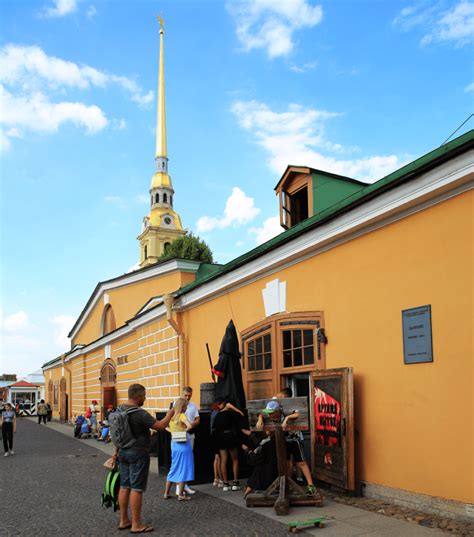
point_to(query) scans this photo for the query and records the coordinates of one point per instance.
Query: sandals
(146, 529)
(184, 498)
(166, 496)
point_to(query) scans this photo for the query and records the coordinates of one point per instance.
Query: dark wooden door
(333, 427)
(63, 411)
(109, 398)
(63, 400)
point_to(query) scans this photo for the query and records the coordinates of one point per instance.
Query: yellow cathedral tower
(163, 225)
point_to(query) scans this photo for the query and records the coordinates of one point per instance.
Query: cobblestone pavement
(52, 486)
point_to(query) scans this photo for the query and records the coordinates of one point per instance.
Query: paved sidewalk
(71, 502)
(346, 521)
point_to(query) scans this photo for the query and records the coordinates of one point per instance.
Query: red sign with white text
(328, 419)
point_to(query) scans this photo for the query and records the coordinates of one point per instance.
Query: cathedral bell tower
(163, 225)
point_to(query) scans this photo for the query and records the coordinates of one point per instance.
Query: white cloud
(455, 25)
(31, 67)
(60, 8)
(296, 136)
(270, 24)
(5, 143)
(15, 321)
(133, 268)
(91, 12)
(35, 112)
(31, 78)
(270, 228)
(469, 88)
(134, 89)
(5, 136)
(25, 346)
(62, 326)
(239, 210)
(119, 124)
(309, 66)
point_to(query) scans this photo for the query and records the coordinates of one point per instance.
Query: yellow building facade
(353, 260)
(352, 269)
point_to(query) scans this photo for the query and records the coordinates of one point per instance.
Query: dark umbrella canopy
(228, 370)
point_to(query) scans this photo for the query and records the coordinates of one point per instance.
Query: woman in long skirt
(182, 461)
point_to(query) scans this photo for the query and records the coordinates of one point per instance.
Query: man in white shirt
(192, 414)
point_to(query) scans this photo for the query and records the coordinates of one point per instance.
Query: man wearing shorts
(135, 461)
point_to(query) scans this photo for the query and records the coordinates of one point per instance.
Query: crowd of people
(88, 426)
(229, 434)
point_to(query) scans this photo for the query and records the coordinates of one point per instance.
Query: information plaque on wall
(417, 341)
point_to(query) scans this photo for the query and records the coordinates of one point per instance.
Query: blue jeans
(134, 469)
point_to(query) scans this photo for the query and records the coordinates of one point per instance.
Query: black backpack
(120, 430)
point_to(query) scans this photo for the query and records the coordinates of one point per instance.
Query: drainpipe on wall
(69, 392)
(168, 302)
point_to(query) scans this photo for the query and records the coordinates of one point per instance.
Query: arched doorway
(108, 379)
(63, 401)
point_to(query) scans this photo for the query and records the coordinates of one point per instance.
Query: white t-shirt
(192, 412)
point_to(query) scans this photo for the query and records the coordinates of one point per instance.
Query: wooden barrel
(208, 395)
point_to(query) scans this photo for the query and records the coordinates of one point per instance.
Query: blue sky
(358, 88)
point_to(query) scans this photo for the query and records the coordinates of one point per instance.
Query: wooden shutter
(333, 427)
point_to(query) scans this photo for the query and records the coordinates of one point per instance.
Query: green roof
(51, 362)
(404, 174)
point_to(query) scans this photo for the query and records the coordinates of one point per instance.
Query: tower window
(165, 198)
(166, 247)
(171, 199)
(157, 198)
(145, 252)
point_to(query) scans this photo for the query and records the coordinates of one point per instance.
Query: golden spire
(162, 225)
(161, 150)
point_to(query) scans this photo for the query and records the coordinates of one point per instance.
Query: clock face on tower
(167, 220)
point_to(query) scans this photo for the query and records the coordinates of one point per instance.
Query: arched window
(108, 320)
(157, 198)
(55, 395)
(108, 373)
(145, 252)
(166, 247)
(165, 198)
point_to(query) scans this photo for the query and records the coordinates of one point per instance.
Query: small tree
(188, 247)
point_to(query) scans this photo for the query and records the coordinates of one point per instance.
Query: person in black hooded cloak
(228, 369)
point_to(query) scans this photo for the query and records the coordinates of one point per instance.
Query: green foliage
(188, 247)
